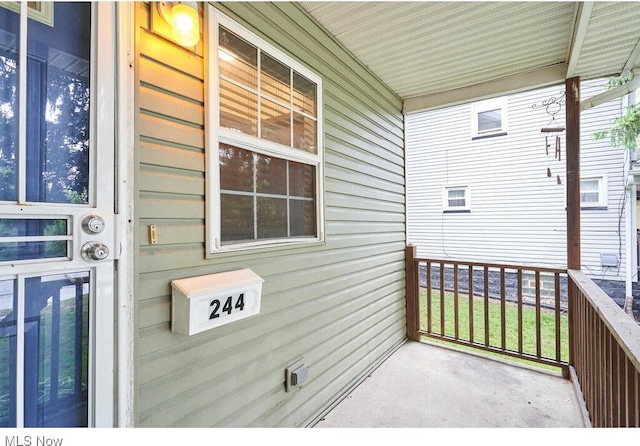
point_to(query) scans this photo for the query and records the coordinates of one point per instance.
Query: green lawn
(529, 342)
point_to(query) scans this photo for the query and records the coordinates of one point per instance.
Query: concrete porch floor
(426, 386)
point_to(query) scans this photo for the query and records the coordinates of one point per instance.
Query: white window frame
(217, 135)
(602, 192)
(445, 199)
(487, 105)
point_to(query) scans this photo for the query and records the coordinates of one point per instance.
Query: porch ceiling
(440, 53)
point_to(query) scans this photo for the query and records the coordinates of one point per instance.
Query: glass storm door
(57, 221)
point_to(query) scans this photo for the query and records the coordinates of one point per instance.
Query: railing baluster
(557, 317)
(429, 297)
(486, 306)
(456, 309)
(442, 332)
(538, 332)
(520, 348)
(471, 315)
(503, 311)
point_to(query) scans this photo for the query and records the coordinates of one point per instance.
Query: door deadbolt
(95, 251)
(93, 224)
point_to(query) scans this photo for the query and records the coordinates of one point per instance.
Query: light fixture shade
(186, 23)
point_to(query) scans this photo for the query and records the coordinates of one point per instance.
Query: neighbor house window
(593, 192)
(456, 199)
(489, 118)
(265, 149)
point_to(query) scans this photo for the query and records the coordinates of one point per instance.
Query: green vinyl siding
(338, 304)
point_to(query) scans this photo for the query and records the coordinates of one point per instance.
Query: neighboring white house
(482, 186)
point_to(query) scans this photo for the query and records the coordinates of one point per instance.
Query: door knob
(95, 251)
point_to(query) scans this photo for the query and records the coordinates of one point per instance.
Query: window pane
(304, 133)
(275, 121)
(275, 79)
(238, 108)
(58, 99)
(271, 175)
(589, 191)
(25, 228)
(302, 182)
(236, 169)
(456, 198)
(304, 94)
(236, 213)
(8, 327)
(272, 217)
(9, 22)
(303, 218)
(238, 59)
(489, 120)
(56, 350)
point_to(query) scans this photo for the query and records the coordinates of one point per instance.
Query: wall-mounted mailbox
(205, 302)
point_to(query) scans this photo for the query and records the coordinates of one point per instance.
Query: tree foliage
(624, 129)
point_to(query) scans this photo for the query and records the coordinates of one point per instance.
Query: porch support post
(572, 89)
(572, 86)
(412, 293)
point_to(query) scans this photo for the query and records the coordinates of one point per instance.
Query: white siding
(517, 212)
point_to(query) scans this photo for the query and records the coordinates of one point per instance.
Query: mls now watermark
(28, 440)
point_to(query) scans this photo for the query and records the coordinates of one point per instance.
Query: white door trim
(125, 149)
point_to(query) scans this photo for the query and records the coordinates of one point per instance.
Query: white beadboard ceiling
(438, 53)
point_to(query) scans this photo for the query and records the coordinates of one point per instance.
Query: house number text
(218, 309)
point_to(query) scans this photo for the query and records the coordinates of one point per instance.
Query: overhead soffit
(426, 48)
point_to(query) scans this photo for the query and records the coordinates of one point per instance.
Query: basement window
(489, 118)
(265, 151)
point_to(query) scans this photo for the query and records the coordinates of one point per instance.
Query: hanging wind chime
(552, 131)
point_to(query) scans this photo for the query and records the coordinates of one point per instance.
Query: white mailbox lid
(213, 283)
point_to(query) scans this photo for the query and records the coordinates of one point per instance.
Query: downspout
(631, 244)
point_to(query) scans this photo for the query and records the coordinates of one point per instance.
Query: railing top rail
(542, 269)
(622, 327)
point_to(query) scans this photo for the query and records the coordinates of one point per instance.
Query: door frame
(126, 62)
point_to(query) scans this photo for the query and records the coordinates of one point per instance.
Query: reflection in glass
(304, 94)
(272, 217)
(56, 350)
(489, 120)
(25, 228)
(7, 353)
(303, 218)
(302, 181)
(58, 98)
(238, 59)
(271, 175)
(238, 108)
(236, 169)
(304, 133)
(237, 217)
(275, 121)
(9, 23)
(275, 79)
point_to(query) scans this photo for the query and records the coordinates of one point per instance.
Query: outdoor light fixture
(184, 21)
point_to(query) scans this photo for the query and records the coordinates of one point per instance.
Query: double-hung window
(265, 146)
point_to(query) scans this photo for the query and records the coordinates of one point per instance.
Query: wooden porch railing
(605, 354)
(575, 327)
(506, 309)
